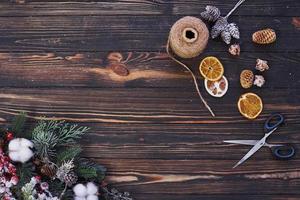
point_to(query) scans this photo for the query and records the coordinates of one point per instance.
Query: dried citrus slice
(250, 105)
(216, 88)
(211, 68)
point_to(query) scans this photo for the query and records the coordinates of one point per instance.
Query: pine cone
(211, 14)
(246, 78)
(226, 36)
(48, 170)
(234, 49)
(261, 65)
(219, 26)
(265, 36)
(234, 30)
(70, 179)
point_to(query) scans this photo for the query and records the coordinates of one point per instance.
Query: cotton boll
(26, 143)
(14, 145)
(91, 188)
(14, 156)
(80, 190)
(92, 197)
(79, 198)
(25, 155)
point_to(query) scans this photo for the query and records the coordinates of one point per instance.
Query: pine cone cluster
(226, 30)
(221, 26)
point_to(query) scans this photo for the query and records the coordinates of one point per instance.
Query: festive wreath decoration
(45, 164)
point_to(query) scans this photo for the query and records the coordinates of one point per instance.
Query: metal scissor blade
(255, 148)
(245, 142)
(251, 142)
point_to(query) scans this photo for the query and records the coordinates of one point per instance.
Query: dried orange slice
(211, 68)
(216, 88)
(250, 105)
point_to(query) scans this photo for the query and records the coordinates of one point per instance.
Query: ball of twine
(188, 37)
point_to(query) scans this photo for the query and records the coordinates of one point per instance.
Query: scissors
(279, 151)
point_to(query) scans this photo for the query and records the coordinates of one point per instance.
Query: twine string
(235, 7)
(194, 79)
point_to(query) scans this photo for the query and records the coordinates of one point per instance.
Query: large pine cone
(265, 36)
(246, 78)
(48, 170)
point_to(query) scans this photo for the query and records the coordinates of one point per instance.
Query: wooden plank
(166, 106)
(214, 197)
(145, 7)
(147, 69)
(130, 33)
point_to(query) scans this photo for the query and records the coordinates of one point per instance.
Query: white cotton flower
(25, 155)
(91, 188)
(14, 145)
(2, 190)
(79, 198)
(26, 143)
(14, 156)
(92, 197)
(80, 190)
(20, 150)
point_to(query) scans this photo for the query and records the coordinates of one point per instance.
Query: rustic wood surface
(149, 127)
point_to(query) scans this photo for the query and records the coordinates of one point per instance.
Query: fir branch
(48, 135)
(25, 172)
(68, 154)
(68, 133)
(87, 172)
(18, 123)
(85, 169)
(114, 194)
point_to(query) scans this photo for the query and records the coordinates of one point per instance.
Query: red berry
(9, 136)
(38, 178)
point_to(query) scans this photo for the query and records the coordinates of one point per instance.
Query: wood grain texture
(148, 126)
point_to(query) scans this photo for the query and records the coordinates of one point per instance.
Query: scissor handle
(284, 152)
(274, 121)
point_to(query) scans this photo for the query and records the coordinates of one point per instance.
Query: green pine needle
(68, 154)
(48, 135)
(87, 172)
(18, 123)
(86, 168)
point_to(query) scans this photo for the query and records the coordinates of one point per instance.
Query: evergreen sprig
(48, 135)
(18, 123)
(88, 169)
(68, 154)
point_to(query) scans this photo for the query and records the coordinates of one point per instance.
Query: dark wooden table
(149, 128)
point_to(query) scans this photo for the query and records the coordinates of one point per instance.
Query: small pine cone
(259, 81)
(233, 30)
(265, 36)
(211, 14)
(234, 49)
(70, 179)
(226, 37)
(219, 26)
(246, 78)
(48, 170)
(261, 65)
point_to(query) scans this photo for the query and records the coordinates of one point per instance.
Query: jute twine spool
(187, 39)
